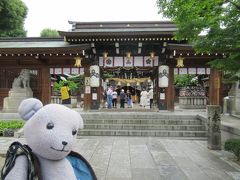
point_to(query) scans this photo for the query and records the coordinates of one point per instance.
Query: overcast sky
(55, 14)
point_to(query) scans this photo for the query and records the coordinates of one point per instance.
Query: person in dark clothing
(122, 98)
(150, 94)
(114, 98)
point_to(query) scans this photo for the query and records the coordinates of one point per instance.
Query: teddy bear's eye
(50, 125)
(74, 132)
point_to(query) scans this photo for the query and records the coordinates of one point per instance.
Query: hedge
(10, 124)
(233, 145)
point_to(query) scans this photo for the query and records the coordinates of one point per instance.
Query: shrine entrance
(132, 79)
(127, 55)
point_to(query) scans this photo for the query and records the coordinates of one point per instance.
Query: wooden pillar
(215, 89)
(87, 91)
(45, 85)
(170, 91)
(95, 98)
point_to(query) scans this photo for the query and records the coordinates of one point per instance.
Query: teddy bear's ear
(29, 107)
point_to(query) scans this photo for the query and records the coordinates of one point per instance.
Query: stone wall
(228, 127)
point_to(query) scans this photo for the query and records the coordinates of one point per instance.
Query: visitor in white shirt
(114, 98)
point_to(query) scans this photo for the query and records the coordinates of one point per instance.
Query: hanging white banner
(118, 61)
(128, 61)
(147, 61)
(108, 62)
(138, 61)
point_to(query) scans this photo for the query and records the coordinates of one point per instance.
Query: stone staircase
(152, 124)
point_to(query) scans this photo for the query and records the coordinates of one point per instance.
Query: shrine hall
(125, 55)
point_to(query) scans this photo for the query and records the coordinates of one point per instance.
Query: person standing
(144, 98)
(114, 98)
(109, 97)
(150, 93)
(122, 98)
(65, 95)
(129, 99)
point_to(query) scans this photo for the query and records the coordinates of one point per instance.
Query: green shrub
(233, 145)
(184, 80)
(10, 124)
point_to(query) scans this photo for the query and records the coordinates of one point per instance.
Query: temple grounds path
(134, 158)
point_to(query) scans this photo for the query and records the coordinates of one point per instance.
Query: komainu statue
(23, 80)
(20, 90)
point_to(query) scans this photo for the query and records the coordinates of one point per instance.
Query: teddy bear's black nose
(64, 143)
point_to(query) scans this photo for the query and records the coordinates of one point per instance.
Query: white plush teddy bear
(50, 132)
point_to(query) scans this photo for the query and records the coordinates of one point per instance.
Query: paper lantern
(163, 72)
(94, 76)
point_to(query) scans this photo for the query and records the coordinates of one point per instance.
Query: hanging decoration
(152, 55)
(105, 55)
(163, 72)
(128, 59)
(78, 62)
(180, 62)
(130, 81)
(148, 61)
(119, 83)
(128, 55)
(94, 76)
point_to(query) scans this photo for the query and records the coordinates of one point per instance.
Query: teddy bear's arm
(19, 171)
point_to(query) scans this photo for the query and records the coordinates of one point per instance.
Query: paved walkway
(132, 158)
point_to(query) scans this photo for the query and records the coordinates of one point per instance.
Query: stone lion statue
(23, 80)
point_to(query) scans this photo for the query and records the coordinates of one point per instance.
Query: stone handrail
(56, 100)
(194, 102)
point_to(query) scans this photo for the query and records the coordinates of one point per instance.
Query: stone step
(145, 127)
(148, 133)
(143, 121)
(137, 116)
(142, 124)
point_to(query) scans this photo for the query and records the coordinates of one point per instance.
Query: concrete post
(214, 124)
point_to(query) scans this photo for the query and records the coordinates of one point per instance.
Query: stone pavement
(137, 158)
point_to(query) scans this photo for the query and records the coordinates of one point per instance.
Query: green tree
(71, 84)
(47, 32)
(12, 16)
(184, 80)
(211, 26)
(75, 84)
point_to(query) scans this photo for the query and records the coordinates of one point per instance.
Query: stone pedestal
(227, 106)
(15, 97)
(214, 124)
(234, 95)
(237, 102)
